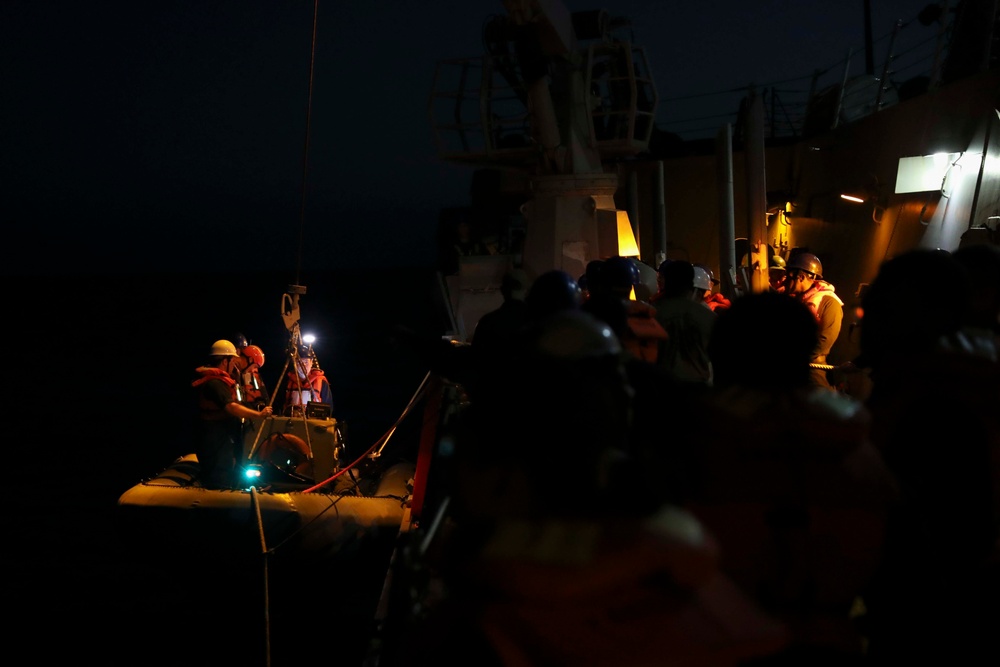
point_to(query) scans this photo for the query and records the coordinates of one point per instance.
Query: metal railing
(824, 98)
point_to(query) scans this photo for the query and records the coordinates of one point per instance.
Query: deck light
(627, 247)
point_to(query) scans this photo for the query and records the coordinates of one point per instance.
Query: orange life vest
(209, 410)
(300, 391)
(644, 333)
(717, 302)
(252, 387)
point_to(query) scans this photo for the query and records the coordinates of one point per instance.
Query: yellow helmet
(223, 348)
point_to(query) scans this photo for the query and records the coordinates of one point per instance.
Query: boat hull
(169, 517)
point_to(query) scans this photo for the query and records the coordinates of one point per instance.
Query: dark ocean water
(98, 387)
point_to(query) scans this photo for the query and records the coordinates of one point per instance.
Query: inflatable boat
(170, 516)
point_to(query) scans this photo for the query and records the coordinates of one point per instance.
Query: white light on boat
(308, 339)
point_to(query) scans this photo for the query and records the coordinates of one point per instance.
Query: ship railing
(841, 92)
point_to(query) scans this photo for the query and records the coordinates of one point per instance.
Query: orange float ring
(283, 450)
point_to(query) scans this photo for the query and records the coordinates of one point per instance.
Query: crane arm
(553, 20)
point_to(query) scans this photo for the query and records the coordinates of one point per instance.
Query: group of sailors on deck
(605, 508)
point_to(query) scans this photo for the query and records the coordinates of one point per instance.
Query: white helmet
(701, 279)
(223, 348)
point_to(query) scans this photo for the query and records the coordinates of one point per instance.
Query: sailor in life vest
(248, 365)
(716, 301)
(642, 334)
(308, 384)
(220, 416)
(804, 281)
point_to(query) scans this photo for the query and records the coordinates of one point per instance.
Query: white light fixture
(924, 173)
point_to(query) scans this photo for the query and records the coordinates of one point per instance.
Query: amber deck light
(627, 247)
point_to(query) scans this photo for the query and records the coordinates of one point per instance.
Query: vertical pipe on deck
(973, 216)
(756, 195)
(659, 215)
(727, 209)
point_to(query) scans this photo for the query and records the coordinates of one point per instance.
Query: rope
(255, 503)
(383, 441)
(305, 151)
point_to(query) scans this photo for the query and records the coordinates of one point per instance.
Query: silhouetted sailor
(688, 321)
(934, 403)
(784, 475)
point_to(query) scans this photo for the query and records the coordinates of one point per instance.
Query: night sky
(169, 136)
